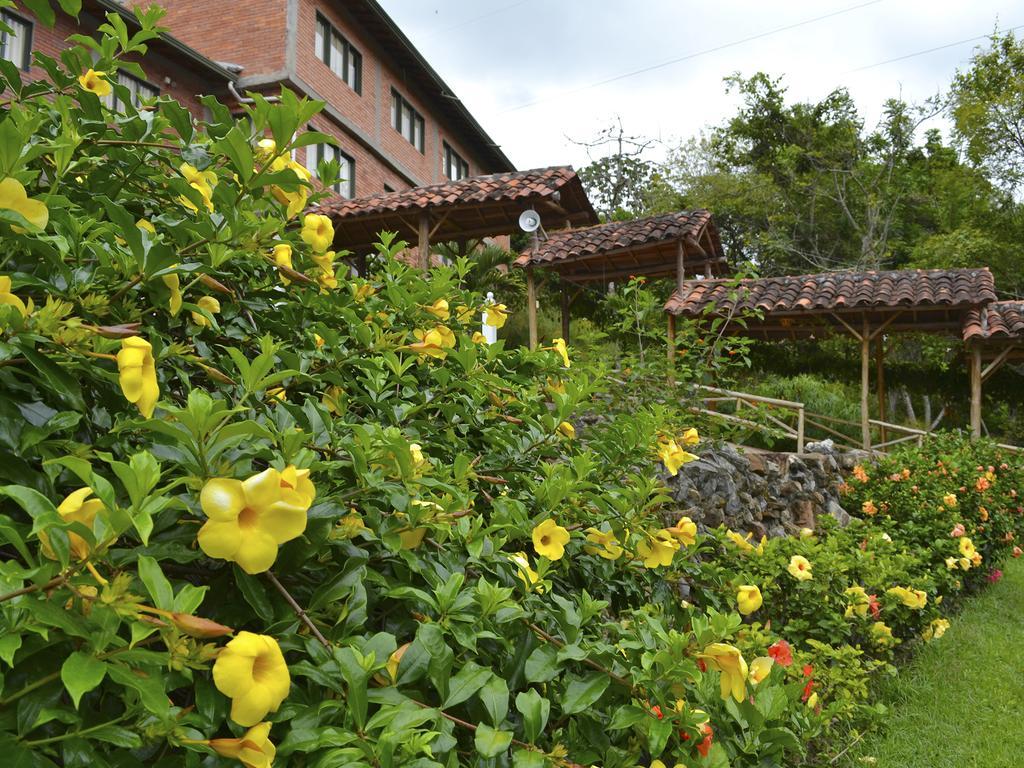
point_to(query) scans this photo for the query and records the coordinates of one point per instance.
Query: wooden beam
(440, 221)
(880, 378)
(849, 327)
(975, 363)
(865, 385)
(885, 325)
(565, 312)
(996, 364)
(531, 306)
(424, 241)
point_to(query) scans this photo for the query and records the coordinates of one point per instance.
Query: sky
(541, 74)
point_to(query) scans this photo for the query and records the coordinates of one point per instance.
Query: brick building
(397, 124)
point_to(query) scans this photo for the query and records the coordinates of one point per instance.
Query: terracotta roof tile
(998, 320)
(575, 244)
(518, 185)
(951, 288)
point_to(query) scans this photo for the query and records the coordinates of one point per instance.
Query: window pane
(312, 159)
(318, 43)
(13, 47)
(337, 55)
(354, 65)
(408, 123)
(418, 138)
(347, 176)
(396, 114)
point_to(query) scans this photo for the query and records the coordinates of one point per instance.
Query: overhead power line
(930, 50)
(459, 24)
(696, 54)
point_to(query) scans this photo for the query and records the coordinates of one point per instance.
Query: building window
(338, 54)
(322, 153)
(455, 167)
(139, 90)
(406, 120)
(16, 45)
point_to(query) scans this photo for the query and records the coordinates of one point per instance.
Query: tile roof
(829, 292)
(497, 187)
(575, 244)
(998, 320)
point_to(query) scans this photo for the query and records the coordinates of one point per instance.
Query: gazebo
(680, 244)
(994, 335)
(455, 211)
(862, 304)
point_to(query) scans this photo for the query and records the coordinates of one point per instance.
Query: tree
(987, 105)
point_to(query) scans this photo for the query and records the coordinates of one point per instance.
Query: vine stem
(297, 609)
(54, 582)
(72, 734)
(588, 661)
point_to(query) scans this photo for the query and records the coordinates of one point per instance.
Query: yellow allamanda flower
(799, 568)
(748, 599)
(173, 282)
(497, 314)
(603, 544)
(859, 603)
(549, 539)
(730, 663)
(673, 456)
(211, 305)
(9, 299)
(137, 374)
(464, 314)
(282, 256)
(362, 292)
(936, 629)
(439, 309)
(201, 181)
(252, 672)
(690, 437)
(658, 550)
(760, 668)
(326, 277)
(529, 576)
(915, 599)
(250, 519)
(881, 633)
(295, 200)
(478, 338)
(253, 749)
(77, 507)
(13, 197)
(317, 232)
(567, 429)
(685, 531)
(562, 349)
(266, 148)
(96, 82)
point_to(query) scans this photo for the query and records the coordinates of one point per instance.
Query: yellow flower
(936, 629)
(812, 700)
(859, 604)
(673, 456)
(317, 232)
(362, 292)
(658, 550)
(254, 749)
(146, 225)
(332, 399)
(394, 660)
(95, 82)
(211, 305)
(526, 573)
(173, 283)
(869, 508)
(295, 200)
(749, 599)
(965, 563)
(439, 309)
(976, 559)
(760, 668)
(882, 634)
(282, 256)
(561, 348)
(951, 563)
(949, 500)
(411, 537)
(277, 395)
(430, 343)
(549, 539)
(806, 533)
(741, 541)
(446, 335)
(250, 519)
(201, 181)
(685, 531)
(606, 545)
(77, 507)
(326, 278)
(9, 299)
(967, 547)
(251, 671)
(567, 429)
(266, 149)
(318, 340)
(137, 374)
(464, 314)
(478, 338)
(799, 568)
(14, 198)
(730, 663)
(497, 314)
(915, 599)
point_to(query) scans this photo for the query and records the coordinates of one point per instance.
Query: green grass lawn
(960, 703)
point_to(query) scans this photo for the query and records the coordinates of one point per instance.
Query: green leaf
(157, 585)
(148, 683)
(41, 10)
(657, 736)
(494, 696)
(584, 692)
(255, 594)
(542, 665)
(491, 742)
(72, 8)
(527, 758)
(535, 710)
(9, 645)
(469, 680)
(81, 672)
(238, 151)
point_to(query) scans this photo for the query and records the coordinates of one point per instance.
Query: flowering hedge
(255, 509)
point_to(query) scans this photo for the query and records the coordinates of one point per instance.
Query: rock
(836, 511)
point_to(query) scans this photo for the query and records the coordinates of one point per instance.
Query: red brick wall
(253, 33)
(168, 76)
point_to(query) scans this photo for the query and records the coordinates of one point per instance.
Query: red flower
(656, 711)
(995, 576)
(705, 746)
(782, 653)
(807, 690)
(875, 607)
(702, 665)
(808, 670)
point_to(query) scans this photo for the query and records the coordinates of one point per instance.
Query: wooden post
(671, 347)
(680, 266)
(975, 362)
(531, 306)
(865, 382)
(565, 312)
(425, 240)
(800, 430)
(880, 381)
